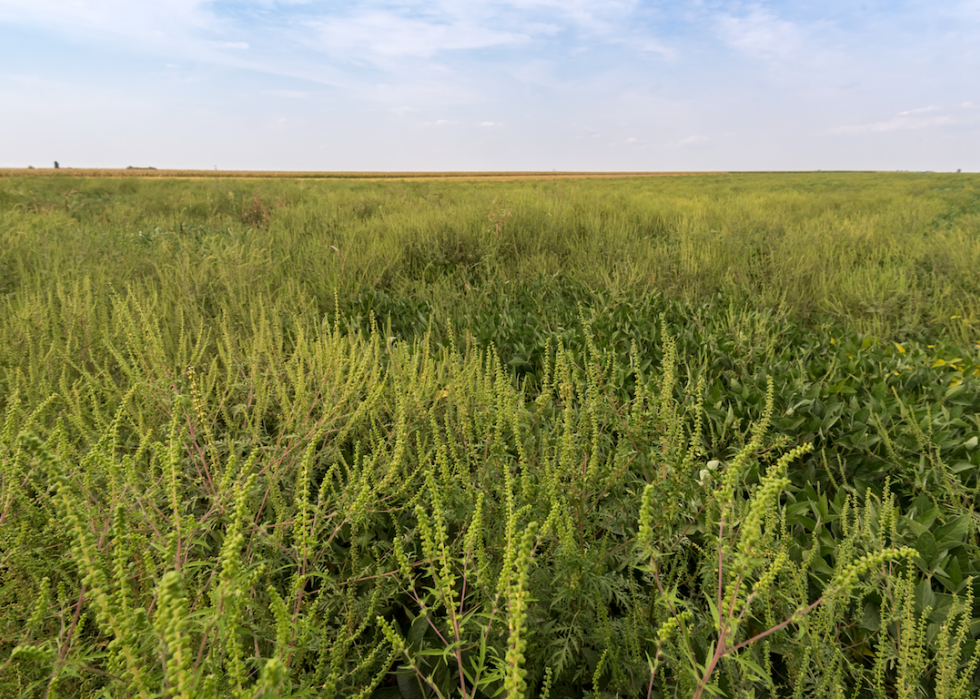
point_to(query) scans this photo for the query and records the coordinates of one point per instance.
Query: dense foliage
(710, 436)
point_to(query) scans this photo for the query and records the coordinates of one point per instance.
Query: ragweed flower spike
(768, 492)
(171, 623)
(850, 575)
(644, 534)
(514, 679)
(669, 626)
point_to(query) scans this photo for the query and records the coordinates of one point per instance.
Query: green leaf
(954, 573)
(916, 528)
(953, 534)
(953, 390)
(820, 566)
(924, 596)
(926, 511)
(928, 552)
(754, 671)
(871, 620)
(714, 613)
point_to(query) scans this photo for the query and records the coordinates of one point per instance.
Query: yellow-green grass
(890, 254)
(152, 172)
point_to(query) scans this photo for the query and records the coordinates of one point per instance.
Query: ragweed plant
(235, 462)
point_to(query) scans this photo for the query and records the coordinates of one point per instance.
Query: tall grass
(893, 255)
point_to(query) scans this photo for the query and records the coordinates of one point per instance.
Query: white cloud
(369, 30)
(761, 34)
(689, 141)
(593, 16)
(396, 73)
(140, 20)
(899, 123)
(654, 46)
(175, 29)
(389, 35)
(409, 44)
(632, 139)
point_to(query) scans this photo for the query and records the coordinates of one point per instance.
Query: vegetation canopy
(711, 436)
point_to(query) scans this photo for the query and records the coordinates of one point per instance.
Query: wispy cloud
(588, 132)
(201, 31)
(409, 76)
(760, 33)
(365, 31)
(411, 45)
(918, 110)
(652, 46)
(904, 121)
(386, 34)
(139, 21)
(689, 141)
(592, 16)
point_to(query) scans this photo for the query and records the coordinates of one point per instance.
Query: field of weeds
(679, 437)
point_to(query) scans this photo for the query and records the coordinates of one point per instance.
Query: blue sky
(515, 85)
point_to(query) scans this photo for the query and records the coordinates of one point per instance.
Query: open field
(713, 435)
(259, 174)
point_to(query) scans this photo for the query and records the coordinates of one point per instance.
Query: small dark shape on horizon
(55, 164)
(137, 167)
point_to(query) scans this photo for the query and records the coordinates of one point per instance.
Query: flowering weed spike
(515, 684)
(171, 625)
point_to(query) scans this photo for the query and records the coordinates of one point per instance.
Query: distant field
(418, 435)
(260, 174)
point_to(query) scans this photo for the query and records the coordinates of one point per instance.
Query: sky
(604, 85)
